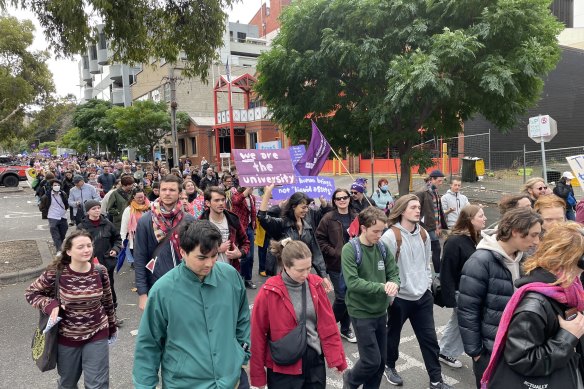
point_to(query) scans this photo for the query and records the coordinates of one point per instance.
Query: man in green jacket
(370, 284)
(118, 200)
(195, 327)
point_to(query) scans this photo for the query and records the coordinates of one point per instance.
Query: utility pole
(173, 106)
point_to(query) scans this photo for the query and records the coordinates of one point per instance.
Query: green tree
(25, 79)
(393, 67)
(94, 126)
(54, 119)
(142, 125)
(138, 30)
(72, 139)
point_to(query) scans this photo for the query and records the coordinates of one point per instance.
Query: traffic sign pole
(543, 160)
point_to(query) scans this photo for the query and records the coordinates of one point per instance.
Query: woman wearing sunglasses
(331, 236)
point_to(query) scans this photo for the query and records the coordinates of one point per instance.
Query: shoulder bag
(290, 348)
(44, 345)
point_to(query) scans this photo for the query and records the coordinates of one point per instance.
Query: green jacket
(366, 297)
(193, 331)
(116, 205)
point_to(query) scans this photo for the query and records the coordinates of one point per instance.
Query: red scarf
(163, 222)
(573, 296)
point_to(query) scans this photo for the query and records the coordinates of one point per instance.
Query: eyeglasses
(354, 193)
(542, 188)
(342, 198)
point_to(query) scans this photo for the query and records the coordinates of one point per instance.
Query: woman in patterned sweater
(86, 308)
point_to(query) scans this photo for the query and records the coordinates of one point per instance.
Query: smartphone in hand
(571, 314)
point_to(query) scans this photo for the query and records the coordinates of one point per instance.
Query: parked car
(11, 172)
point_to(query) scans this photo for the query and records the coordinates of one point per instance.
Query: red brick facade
(271, 21)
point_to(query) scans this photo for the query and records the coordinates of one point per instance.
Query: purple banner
(313, 160)
(312, 186)
(257, 168)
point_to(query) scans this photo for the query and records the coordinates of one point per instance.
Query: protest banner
(576, 163)
(257, 168)
(296, 153)
(313, 187)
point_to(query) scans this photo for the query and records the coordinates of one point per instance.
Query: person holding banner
(293, 224)
(332, 234)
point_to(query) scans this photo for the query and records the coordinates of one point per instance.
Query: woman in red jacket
(277, 310)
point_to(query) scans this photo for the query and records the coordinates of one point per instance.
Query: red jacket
(273, 317)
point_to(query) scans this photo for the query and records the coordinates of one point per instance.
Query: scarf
(573, 296)
(136, 211)
(163, 222)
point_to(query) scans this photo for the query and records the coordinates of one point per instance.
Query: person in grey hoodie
(452, 202)
(414, 301)
(486, 283)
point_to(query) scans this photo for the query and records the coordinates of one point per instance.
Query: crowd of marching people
(352, 268)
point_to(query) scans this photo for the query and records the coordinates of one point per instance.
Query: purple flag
(318, 150)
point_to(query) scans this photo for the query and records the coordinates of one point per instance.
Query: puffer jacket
(563, 190)
(486, 285)
(536, 345)
(273, 315)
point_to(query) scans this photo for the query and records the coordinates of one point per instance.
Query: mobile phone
(571, 314)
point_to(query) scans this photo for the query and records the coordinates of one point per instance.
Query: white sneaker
(452, 362)
(349, 335)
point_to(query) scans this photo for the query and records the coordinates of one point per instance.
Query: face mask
(384, 188)
(56, 188)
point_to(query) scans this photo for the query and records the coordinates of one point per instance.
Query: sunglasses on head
(342, 198)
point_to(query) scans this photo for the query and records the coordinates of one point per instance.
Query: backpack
(398, 239)
(358, 259)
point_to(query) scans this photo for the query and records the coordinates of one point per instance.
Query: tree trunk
(405, 167)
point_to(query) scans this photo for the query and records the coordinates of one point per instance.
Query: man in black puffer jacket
(487, 281)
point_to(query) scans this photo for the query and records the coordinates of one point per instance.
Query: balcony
(88, 93)
(245, 115)
(116, 73)
(93, 65)
(118, 96)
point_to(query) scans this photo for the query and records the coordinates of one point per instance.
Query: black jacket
(357, 206)
(536, 345)
(485, 288)
(105, 238)
(46, 201)
(562, 190)
(457, 250)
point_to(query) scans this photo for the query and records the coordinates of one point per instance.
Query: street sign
(542, 127)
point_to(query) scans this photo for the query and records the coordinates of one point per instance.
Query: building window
(253, 140)
(181, 147)
(93, 52)
(241, 37)
(193, 146)
(564, 11)
(102, 42)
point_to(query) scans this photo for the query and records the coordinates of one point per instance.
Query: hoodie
(456, 201)
(489, 242)
(414, 262)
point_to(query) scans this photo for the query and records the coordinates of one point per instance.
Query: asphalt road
(21, 219)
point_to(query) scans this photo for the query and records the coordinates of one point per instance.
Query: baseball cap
(568, 175)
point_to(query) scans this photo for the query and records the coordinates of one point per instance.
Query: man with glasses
(358, 199)
(535, 187)
(331, 235)
(452, 202)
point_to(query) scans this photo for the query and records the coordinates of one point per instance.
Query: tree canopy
(25, 79)
(138, 30)
(395, 67)
(94, 127)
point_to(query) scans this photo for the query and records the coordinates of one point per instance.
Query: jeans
(451, 343)
(313, 374)
(92, 359)
(339, 306)
(262, 254)
(247, 261)
(371, 343)
(58, 230)
(421, 316)
(436, 250)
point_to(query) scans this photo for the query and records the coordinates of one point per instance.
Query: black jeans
(339, 306)
(313, 374)
(371, 343)
(58, 230)
(436, 252)
(110, 265)
(479, 367)
(247, 261)
(421, 316)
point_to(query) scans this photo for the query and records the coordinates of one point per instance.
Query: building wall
(267, 17)
(562, 99)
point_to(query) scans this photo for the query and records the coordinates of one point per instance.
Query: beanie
(90, 204)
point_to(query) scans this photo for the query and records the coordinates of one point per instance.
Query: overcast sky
(66, 72)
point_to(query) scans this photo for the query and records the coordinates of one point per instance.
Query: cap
(436, 173)
(90, 204)
(568, 175)
(77, 179)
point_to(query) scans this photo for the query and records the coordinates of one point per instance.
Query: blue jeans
(247, 261)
